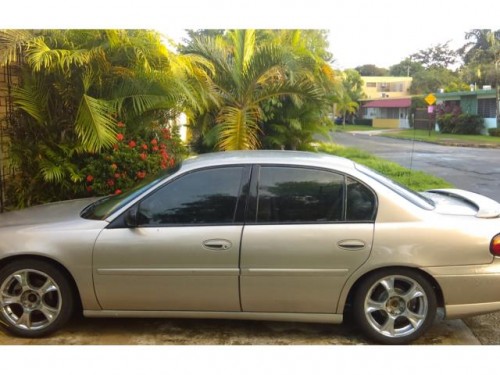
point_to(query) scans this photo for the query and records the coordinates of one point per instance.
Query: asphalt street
(474, 169)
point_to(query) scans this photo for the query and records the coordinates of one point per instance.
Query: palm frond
(243, 48)
(55, 165)
(238, 128)
(32, 98)
(11, 44)
(94, 125)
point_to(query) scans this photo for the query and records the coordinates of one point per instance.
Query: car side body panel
(55, 232)
(169, 268)
(245, 269)
(300, 268)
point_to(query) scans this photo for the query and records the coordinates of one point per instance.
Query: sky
(379, 32)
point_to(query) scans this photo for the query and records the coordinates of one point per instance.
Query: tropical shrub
(495, 132)
(131, 159)
(73, 85)
(451, 120)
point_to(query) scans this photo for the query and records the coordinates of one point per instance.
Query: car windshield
(105, 206)
(403, 191)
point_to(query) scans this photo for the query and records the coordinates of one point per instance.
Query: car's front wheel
(35, 298)
(394, 306)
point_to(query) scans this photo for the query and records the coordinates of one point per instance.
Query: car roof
(267, 157)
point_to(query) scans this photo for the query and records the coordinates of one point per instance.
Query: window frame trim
(241, 200)
(251, 212)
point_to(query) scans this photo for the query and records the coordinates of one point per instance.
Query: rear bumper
(469, 290)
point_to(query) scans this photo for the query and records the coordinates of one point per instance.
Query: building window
(390, 113)
(486, 108)
(371, 84)
(383, 86)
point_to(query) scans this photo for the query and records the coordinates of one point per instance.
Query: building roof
(456, 95)
(388, 103)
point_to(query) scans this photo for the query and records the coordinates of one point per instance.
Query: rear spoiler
(486, 208)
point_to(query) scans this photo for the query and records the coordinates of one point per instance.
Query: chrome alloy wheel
(30, 299)
(396, 306)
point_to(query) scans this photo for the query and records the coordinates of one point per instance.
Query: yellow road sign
(430, 99)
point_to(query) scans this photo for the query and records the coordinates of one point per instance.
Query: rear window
(408, 194)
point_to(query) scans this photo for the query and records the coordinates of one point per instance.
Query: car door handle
(351, 244)
(217, 244)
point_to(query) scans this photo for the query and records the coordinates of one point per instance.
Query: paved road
(474, 169)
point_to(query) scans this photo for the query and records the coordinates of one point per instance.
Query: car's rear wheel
(394, 306)
(35, 298)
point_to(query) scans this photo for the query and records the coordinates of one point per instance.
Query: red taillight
(495, 245)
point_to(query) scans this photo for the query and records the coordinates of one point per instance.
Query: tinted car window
(299, 195)
(361, 202)
(203, 197)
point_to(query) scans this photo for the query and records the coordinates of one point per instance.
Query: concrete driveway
(226, 332)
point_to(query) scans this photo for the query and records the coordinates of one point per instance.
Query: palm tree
(246, 74)
(345, 105)
(478, 49)
(293, 125)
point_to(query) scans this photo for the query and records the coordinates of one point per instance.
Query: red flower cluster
(130, 160)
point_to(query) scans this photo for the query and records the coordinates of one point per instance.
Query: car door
(308, 230)
(184, 252)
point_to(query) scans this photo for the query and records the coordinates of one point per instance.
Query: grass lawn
(415, 180)
(423, 135)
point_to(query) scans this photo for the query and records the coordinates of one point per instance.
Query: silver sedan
(270, 235)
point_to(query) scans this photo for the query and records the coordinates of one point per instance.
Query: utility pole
(496, 55)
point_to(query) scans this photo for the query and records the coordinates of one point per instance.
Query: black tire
(394, 306)
(36, 298)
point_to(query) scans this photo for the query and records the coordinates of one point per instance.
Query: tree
(370, 70)
(293, 125)
(434, 79)
(349, 93)
(346, 105)
(352, 83)
(478, 49)
(438, 56)
(246, 74)
(406, 68)
(481, 56)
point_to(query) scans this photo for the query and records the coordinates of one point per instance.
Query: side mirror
(131, 217)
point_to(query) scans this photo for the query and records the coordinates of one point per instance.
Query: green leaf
(94, 125)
